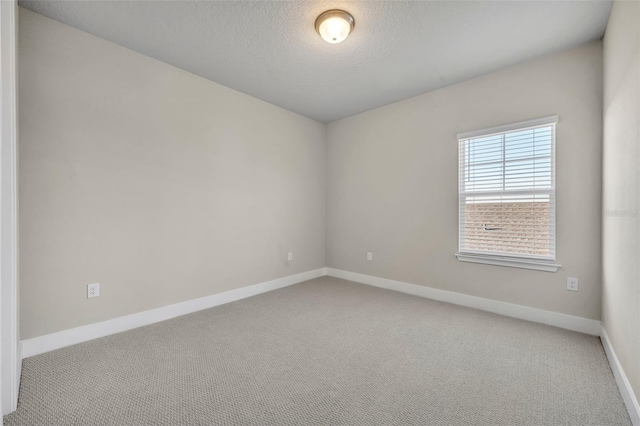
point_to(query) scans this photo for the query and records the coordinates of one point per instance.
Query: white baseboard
(570, 322)
(61, 339)
(628, 396)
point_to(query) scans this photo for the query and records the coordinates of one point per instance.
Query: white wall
(392, 183)
(158, 184)
(621, 187)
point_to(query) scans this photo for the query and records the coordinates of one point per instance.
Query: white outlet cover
(290, 256)
(93, 290)
(572, 284)
(369, 255)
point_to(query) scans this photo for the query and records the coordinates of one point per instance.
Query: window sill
(511, 262)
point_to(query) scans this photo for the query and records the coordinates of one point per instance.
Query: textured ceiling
(398, 49)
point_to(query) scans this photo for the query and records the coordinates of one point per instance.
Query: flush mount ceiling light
(334, 25)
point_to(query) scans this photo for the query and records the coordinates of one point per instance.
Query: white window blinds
(507, 190)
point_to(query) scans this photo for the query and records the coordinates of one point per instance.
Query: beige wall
(621, 188)
(158, 184)
(165, 187)
(392, 183)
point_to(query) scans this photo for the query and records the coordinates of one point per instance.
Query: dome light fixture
(334, 25)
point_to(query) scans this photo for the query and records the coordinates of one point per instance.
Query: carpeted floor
(328, 352)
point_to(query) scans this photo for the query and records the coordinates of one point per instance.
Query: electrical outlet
(369, 256)
(93, 290)
(572, 284)
(290, 256)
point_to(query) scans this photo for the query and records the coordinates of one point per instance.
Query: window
(507, 195)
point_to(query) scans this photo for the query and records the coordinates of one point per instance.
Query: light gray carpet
(326, 351)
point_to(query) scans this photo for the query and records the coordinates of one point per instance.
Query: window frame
(525, 261)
